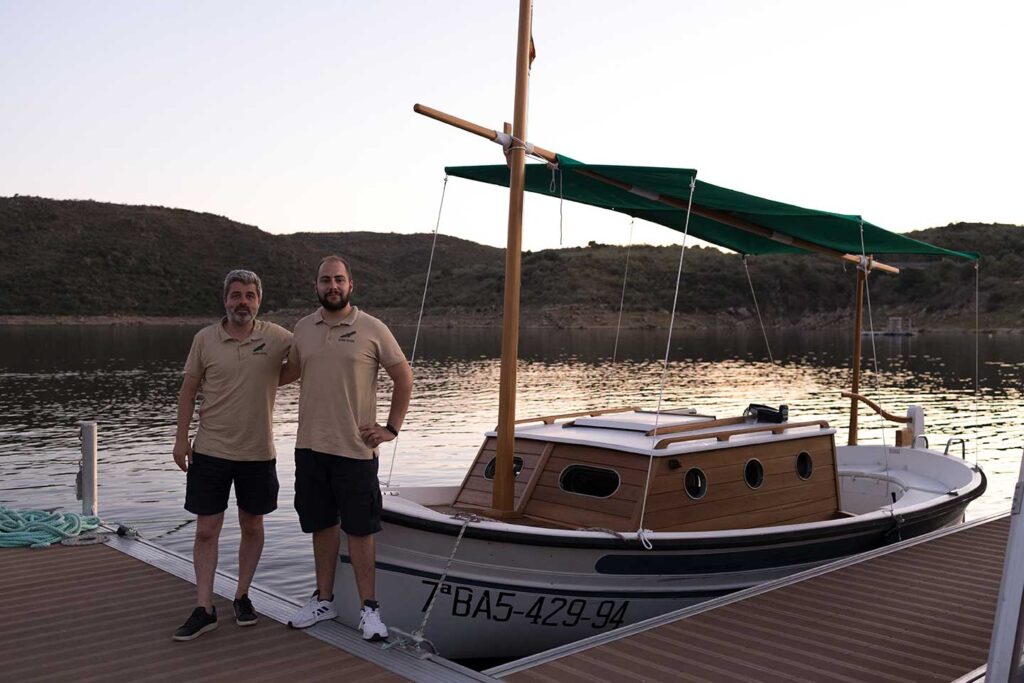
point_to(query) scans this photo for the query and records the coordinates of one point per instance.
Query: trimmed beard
(242, 318)
(333, 306)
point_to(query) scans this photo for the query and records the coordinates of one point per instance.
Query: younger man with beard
(237, 363)
(339, 350)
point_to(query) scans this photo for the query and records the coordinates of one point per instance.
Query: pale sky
(297, 116)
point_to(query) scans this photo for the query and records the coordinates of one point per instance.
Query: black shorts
(331, 489)
(209, 479)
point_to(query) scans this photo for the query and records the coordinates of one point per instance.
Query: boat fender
(916, 416)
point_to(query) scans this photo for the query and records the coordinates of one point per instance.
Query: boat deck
(105, 612)
(920, 610)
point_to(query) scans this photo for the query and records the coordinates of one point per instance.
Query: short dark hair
(246, 277)
(334, 257)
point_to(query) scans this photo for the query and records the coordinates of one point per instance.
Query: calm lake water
(127, 379)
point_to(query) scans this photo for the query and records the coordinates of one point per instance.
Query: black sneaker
(199, 623)
(245, 615)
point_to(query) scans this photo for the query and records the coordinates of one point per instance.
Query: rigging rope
(419, 320)
(641, 532)
(757, 308)
(557, 170)
(41, 528)
(622, 297)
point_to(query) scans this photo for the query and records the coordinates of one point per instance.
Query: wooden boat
(730, 504)
(571, 524)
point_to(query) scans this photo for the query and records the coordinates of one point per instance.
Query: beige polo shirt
(238, 381)
(339, 365)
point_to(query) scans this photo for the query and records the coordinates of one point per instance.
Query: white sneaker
(371, 625)
(313, 611)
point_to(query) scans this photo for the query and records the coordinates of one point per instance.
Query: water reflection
(127, 378)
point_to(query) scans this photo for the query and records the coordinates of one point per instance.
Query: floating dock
(920, 610)
(106, 612)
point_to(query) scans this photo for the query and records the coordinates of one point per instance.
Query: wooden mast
(858, 326)
(504, 477)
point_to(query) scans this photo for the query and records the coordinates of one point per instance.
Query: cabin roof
(627, 432)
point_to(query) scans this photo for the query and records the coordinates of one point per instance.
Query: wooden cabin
(706, 474)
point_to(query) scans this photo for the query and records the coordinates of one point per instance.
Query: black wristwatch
(391, 429)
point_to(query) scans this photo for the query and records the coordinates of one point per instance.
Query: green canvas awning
(831, 230)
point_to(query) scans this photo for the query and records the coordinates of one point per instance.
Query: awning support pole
(857, 327)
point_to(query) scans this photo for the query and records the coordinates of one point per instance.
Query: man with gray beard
(237, 363)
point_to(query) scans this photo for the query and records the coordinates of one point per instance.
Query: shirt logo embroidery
(348, 337)
(260, 350)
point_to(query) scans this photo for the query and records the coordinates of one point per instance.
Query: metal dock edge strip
(280, 609)
(640, 626)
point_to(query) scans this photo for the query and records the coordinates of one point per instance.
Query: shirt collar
(255, 335)
(349, 319)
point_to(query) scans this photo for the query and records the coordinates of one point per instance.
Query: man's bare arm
(186, 406)
(401, 394)
(289, 373)
(401, 376)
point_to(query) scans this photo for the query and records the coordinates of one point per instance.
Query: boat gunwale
(875, 521)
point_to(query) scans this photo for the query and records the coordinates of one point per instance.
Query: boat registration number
(545, 610)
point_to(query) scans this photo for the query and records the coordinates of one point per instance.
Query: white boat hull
(511, 591)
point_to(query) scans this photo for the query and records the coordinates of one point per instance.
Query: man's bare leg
(362, 550)
(249, 549)
(204, 557)
(326, 544)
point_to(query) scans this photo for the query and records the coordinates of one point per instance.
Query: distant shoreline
(532, 318)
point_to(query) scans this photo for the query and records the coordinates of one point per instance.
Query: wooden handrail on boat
(877, 408)
(725, 435)
(690, 426)
(550, 419)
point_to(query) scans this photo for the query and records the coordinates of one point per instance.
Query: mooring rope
(419, 320)
(641, 533)
(757, 308)
(622, 297)
(41, 528)
(466, 518)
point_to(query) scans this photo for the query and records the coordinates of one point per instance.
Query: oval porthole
(695, 483)
(804, 465)
(599, 482)
(753, 473)
(517, 467)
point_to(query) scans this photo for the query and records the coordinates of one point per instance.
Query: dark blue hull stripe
(696, 594)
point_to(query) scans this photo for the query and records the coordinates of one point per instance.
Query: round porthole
(804, 465)
(517, 467)
(695, 483)
(753, 473)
